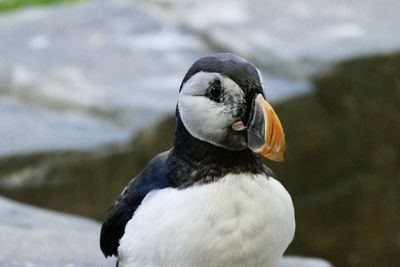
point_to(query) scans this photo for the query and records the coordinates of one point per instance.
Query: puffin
(209, 201)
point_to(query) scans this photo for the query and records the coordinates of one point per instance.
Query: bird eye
(215, 90)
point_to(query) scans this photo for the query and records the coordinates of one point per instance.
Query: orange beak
(265, 132)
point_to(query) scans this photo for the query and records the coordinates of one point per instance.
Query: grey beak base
(256, 127)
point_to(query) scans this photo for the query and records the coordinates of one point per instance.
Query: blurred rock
(34, 237)
(85, 74)
(91, 73)
(100, 70)
(290, 38)
(343, 164)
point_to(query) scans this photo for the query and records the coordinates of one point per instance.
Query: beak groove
(265, 131)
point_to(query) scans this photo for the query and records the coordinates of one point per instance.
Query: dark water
(342, 168)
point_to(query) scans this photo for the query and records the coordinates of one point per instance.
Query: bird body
(209, 201)
(239, 220)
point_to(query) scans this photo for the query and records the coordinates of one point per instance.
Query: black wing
(153, 177)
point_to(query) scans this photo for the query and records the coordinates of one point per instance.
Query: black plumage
(153, 177)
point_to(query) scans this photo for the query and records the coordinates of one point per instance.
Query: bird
(209, 201)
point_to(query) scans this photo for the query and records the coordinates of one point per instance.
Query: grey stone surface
(35, 237)
(291, 37)
(80, 75)
(86, 74)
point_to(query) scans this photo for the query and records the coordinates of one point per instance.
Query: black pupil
(215, 89)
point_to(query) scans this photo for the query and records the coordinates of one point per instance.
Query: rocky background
(88, 89)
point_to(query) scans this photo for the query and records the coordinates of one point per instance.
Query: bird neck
(195, 161)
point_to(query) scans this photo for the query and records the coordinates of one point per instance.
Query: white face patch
(204, 118)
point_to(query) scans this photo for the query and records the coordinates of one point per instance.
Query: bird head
(222, 102)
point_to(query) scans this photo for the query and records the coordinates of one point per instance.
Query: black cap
(241, 71)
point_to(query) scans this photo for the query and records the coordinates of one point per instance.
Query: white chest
(241, 220)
